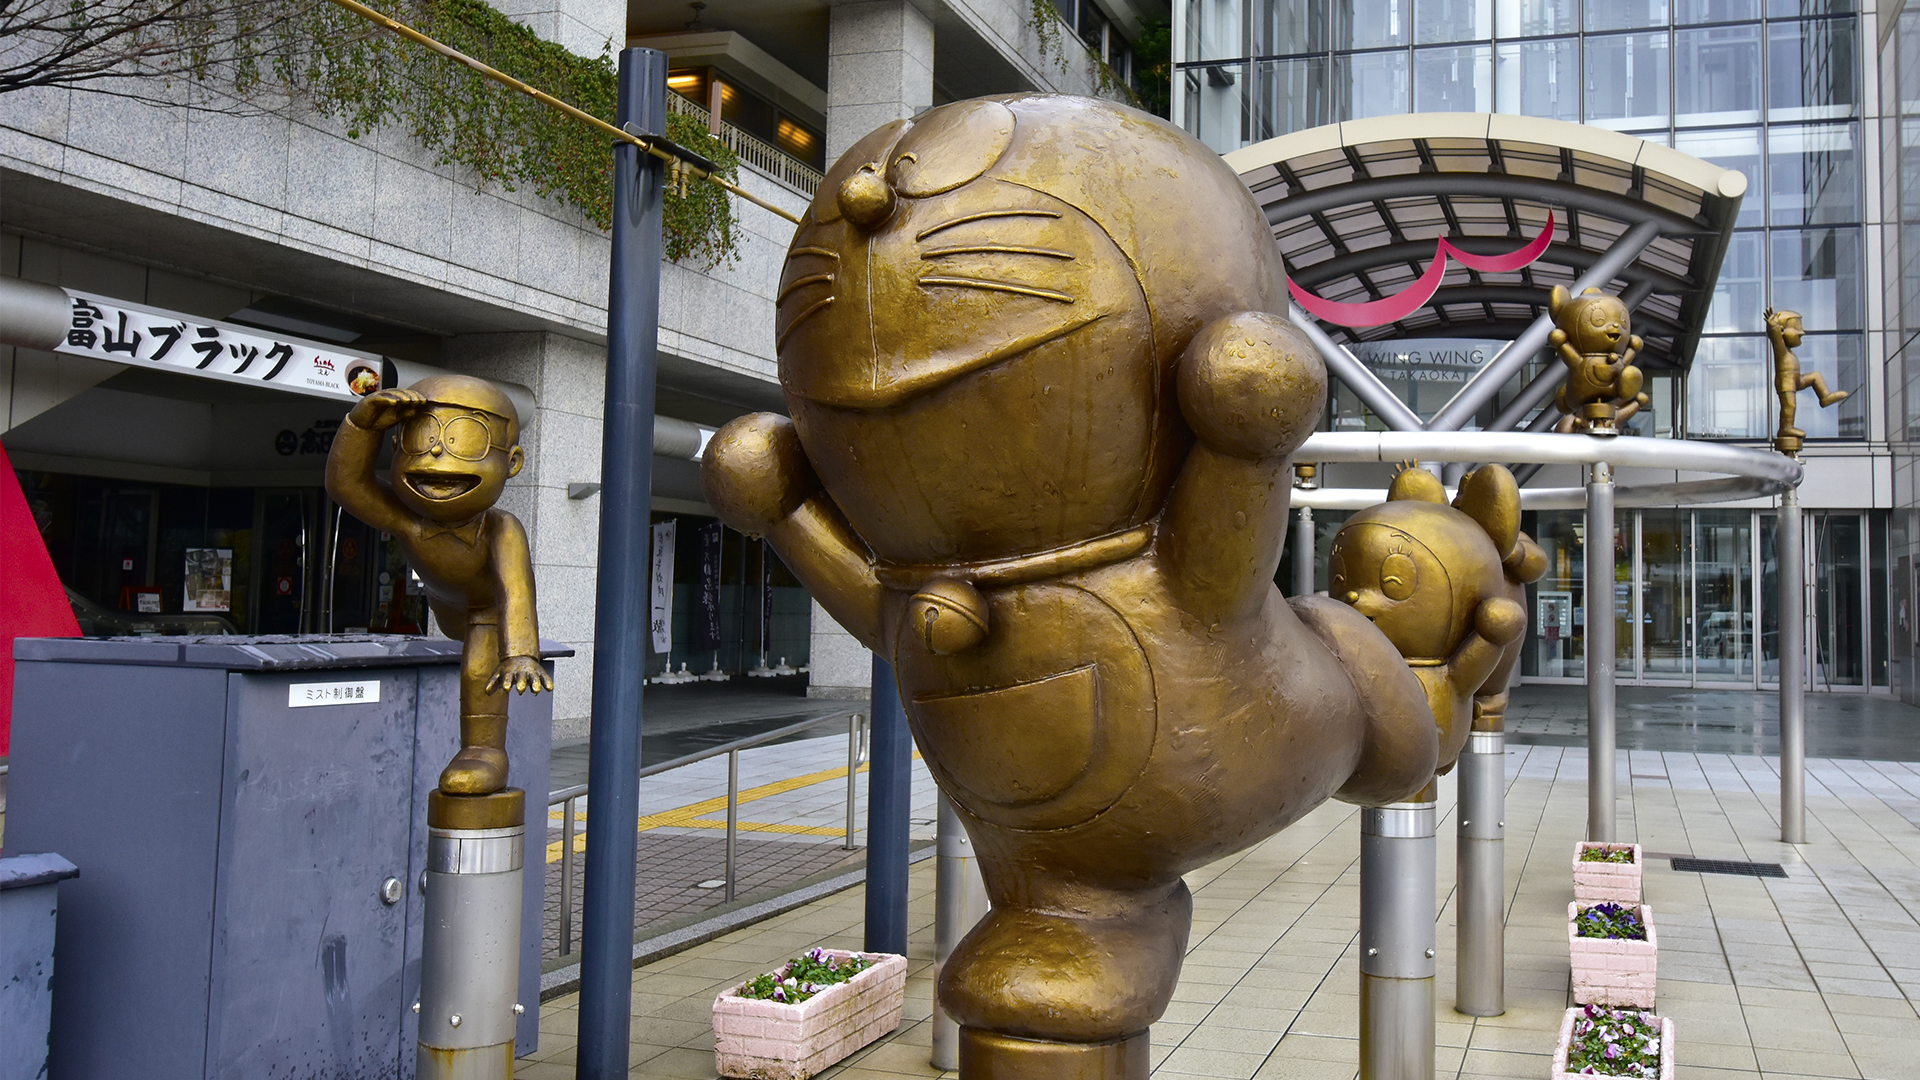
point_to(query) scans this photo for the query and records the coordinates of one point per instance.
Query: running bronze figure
(456, 443)
(1785, 332)
(1043, 406)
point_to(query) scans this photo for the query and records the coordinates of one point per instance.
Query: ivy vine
(1045, 20)
(324, 55)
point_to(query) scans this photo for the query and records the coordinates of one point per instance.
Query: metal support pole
(1793, 675)
(566, 878)
(959, 901)
(1397, 944)
(1484, 386)
(1480, 868)
(470, 954)
(733, 815)
(620, 627)
(889, 804)
(853, 773)
(1600, 652)
(1303, 553)
(1356, 376)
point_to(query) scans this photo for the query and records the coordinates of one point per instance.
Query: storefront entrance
(1692, 611)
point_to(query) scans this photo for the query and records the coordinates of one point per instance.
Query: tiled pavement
(1814, 975)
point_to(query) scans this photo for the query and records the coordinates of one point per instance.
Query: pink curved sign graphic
(1409, 300)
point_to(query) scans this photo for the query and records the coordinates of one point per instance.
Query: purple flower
(1593, 1012)
(1613, 1051)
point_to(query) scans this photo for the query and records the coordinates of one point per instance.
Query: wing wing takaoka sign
(1410, 299)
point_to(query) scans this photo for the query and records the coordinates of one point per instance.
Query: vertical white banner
(661, 619)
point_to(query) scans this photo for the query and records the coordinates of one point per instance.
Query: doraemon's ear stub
(1491, 496)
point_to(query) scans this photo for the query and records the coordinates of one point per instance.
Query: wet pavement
(1875, 727)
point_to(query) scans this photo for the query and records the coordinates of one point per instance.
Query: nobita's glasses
(468, 437)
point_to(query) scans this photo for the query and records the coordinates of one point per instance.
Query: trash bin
(29, 901)
(251, 815)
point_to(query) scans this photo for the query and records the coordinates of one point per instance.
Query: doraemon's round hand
(1500, 620)
(1251, 386)
(755, 471)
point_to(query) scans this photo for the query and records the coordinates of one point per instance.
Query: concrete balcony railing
(764, 158)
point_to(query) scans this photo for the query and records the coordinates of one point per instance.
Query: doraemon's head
(978, 320)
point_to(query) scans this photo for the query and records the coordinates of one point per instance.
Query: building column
(879, 68)
(562, 441)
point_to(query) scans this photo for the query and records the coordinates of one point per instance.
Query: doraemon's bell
(949, 615)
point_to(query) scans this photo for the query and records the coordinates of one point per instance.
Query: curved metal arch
(1622, 208)
(1313, 275)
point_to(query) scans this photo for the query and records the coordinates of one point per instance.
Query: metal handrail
(568, 796)
(1746, 472)
(771, 160)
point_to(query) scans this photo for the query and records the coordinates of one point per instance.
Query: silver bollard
(1793, 674)
(1600, 653)
(1397, 943)
(470, 952)
(1480, 867)
(959, 901)
(1303, 553)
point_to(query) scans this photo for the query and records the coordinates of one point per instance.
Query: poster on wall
(706, 601)
(660, 618)
(209, 580)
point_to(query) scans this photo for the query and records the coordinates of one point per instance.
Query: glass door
(1666, 595)
(1723, 596)
(1839, 642)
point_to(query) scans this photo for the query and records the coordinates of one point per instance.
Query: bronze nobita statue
(1785, 331)
(456, 443)
(1446, 584)
(1043, 403)
(1593, 336)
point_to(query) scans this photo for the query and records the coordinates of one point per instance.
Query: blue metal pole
(889, 803)
(620, 627)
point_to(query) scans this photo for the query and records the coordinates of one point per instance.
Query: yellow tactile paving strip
(693, 815)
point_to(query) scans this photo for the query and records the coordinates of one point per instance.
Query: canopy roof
(1356, 208)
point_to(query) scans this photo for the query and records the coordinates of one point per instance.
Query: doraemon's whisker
(996, 286)
(800, 283)
(813, 308)
(982, 216)
(827, 253)
(995, 249)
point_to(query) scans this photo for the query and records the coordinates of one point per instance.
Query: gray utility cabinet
(234, 917)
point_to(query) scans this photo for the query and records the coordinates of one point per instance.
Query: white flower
(1653, 1046)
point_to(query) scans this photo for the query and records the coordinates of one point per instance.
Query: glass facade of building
(1769, 87)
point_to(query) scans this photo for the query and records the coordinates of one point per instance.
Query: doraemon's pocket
(1048, 724)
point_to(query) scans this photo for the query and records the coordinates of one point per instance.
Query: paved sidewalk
(1813, 975)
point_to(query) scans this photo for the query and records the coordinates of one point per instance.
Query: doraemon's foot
(1048, 976)
(476, 770)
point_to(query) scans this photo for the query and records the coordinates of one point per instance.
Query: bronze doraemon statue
(1446, 584)
(1042, 410)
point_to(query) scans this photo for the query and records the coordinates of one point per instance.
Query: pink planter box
(1617, 883)
(771, 1040)
(1566, 1041)
(1613, 971)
